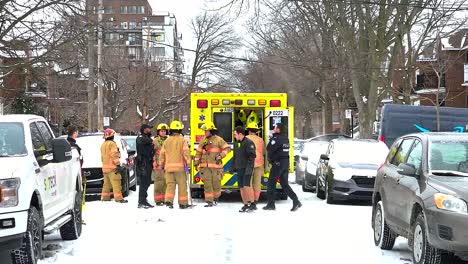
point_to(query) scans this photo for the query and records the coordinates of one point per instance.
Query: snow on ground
(316, 233)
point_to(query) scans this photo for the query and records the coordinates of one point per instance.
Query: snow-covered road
(316, 233)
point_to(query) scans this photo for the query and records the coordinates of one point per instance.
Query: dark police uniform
(243, 161)
(144, 166)
(278, 156)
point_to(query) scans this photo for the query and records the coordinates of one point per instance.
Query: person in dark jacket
(144, 164)
(278, 156)
(72, 134)
(243, 164)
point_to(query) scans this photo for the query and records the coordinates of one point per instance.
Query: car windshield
(360, 153)
(448, 156)
(131, 141)
(12, 141)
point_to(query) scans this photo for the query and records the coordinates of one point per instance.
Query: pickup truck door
(45, 173)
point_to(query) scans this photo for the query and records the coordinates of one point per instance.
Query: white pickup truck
(40, 187)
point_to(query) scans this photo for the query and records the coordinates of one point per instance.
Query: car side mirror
(407, 169)
(42, 162)
(38, 153)
(131, 152)
(324, 157)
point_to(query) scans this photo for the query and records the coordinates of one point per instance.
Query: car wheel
(304, 188)
(329, 198)
(125, 185)
(72, 229)
(384, 238)
(319, 191)
(31, 249)
(423, 252)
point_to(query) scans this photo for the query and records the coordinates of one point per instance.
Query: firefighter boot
(159, 203)
(253, 206)
(184, 206)
(296, 205)
(215, 201)
(246, 208)
(121, 201)
(209, 204)
(170, 205)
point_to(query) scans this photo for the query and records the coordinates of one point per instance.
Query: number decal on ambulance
(278, 113)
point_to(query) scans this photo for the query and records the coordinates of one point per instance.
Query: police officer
(110, 157)
(243, 164)
(259, 166)
(174, 159)
(144, 164)
(210, 152)
(278, 156)
(158, 174)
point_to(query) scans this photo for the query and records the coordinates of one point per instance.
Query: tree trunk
(327, 115)
(91, 61)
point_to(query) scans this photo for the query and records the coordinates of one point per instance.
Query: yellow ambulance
(228, 110)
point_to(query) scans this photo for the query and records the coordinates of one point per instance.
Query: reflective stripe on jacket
(110, 156)
(175, 154)
(258, 141)
(210, 148)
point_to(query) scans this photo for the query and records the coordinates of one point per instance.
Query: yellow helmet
(208, 126)
(252, 125)
(242, 116)
(162, 126)
(176, 125)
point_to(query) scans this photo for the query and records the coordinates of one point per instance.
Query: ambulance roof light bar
(275, 103)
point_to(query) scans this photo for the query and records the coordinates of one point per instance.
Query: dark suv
(421, 193)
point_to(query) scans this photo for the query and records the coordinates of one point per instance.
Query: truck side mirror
(61, 150)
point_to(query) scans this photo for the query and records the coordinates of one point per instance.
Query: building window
(109, 24)
(157, 37)
(132, 25)
(108, 10)
(134, 39)
(132, 9)
(134, 53)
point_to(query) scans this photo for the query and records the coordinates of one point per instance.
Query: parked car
(348, 169)
(328, 137)
(131, 142)
(92, 165)
(399, 120)
(421, 193)
(298, 145)
(313, 156)
(40, 188)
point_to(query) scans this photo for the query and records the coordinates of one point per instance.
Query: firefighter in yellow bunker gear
(259, 165)
(110, 157)
(208, 160)
(158, 174)
(174, 160)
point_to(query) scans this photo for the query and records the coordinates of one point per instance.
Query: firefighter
(278, 156)
(208, 160)
(247, 116)
(174, 160)
(144, 164)
(110, 157)
(259, 166)
(158, 174)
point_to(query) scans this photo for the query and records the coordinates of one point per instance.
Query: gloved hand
(120, 169)
(186, 168)
(219, 159)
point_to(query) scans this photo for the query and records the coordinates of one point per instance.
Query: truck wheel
(72, 229)
(384, 238)
(423, 252)
(31, 249)
(125, 185)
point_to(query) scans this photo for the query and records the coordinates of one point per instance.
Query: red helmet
(108, 132)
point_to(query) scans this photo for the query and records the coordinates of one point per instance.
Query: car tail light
(202, 103)
(382, 138)
(130, 162)
(278, 180)
(275, 103)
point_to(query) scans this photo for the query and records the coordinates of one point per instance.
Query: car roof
(439, 135)
(19, 118)
(354, 140)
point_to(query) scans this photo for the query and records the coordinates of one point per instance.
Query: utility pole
(100, 101)
(91, 61)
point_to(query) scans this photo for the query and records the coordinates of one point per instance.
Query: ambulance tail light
(278, 180)
(226, 102)
(262, 102)
(275, 103)
(238, 102)
(214, 102)
(202, 103)
(251, 102)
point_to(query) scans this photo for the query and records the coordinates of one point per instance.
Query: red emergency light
(275, 103)
(382, 138)
(202, 103)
